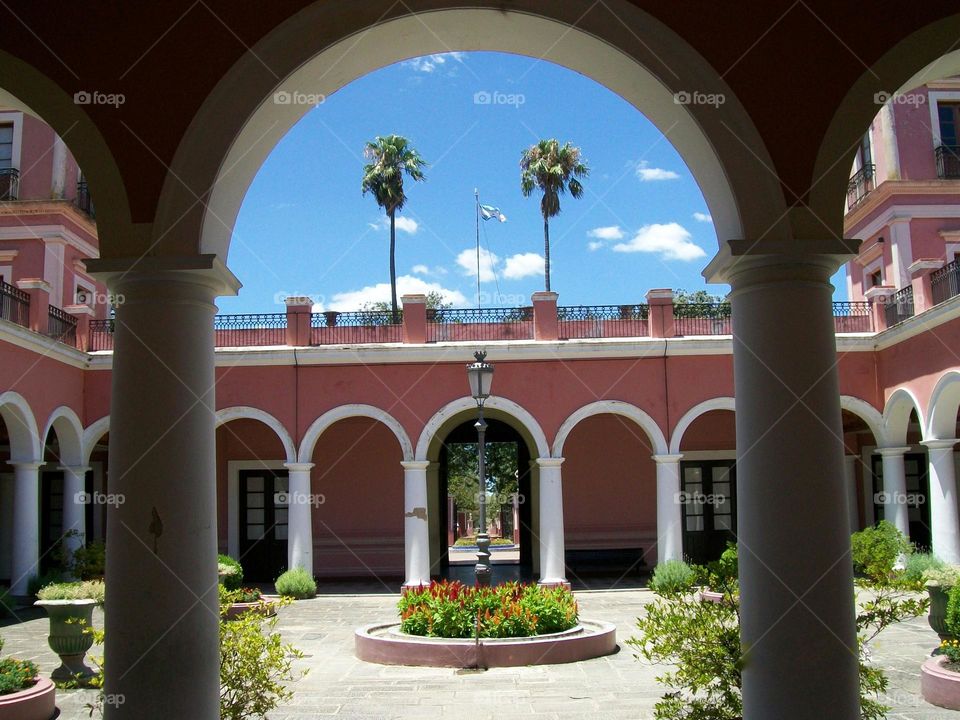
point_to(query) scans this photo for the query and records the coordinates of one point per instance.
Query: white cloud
(594, 245)
(403, 224)
(523, 265)
(421, 269)
(406, 285)
(702, 217)
(429, 63)
(649, 174)
(610, 232)
(467, 259)
(670, 241)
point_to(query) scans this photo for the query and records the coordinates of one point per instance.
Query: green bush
(16, 675)
(876, 550)
(470, 541)
(240, 595)
(946, 576)
(81, 590)
(48, 578)
(87, 562)
(296, 583)
(234, 579)
(721, 575)
(918, 565)
(671, 577)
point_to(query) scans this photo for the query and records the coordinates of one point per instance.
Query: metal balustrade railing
(945, 282)
(83, 200)
(702, 319)
(455, 324)
(355, 328)
(61, 326)
(861, 183)
(14, 304)
(9, 184)
(948, 161)
(899, 306)
(101, 335)
(852, 317)
(602, 321)
(250, 329)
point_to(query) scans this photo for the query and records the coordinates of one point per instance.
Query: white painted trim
(896, 416)
(717, 403)
(92, 435)
(69, 432)
(342, 412)
(698, 455)
(907, 212)
(16, 119)
(934, 97)
(468, 404)
(866, 412)
(42, 345)
(25, 443)
(612, 407)
(868, 270)
(244, 412)
(50, 233)
(943, 411)
(233, 497)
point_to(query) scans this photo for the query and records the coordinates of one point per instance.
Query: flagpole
(476, 195)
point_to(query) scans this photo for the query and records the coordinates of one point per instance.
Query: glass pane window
(6, 146)
(254, 532)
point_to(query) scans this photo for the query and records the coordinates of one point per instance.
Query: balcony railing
(14, 304)
(355, 328)
(899, 306)
(948, 162)
(860, 184)
(455, 325)
(9, 184)
(702, 319)
(852, 317)
(250, 330)
(602, 321)
(945, 282)
(101, 335)
(61, 326)
(83, 198)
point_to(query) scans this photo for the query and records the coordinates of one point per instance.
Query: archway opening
(859, 442)
(917, 482)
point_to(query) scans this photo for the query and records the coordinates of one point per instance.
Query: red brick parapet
(545, 323)
(299, 310)
(414, 319)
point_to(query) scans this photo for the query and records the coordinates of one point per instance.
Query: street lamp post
(480, 375)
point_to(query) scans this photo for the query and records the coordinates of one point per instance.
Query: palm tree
(390, 158)
(553, 169)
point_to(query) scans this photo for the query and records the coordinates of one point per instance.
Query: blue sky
(305, 229)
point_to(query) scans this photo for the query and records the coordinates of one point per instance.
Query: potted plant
(940, 674)
(235, 603)
(24, 695)
(70, 607)
(939, 582)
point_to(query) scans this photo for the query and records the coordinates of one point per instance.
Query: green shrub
(721, 575)
(876, 550)
(945, 577)
(48, 578)
(80, 590)
(16, 675)
(672, 576)
(296, 583)
(240, 595)
(87, 562)
(234, 578)
(918, 565)
(470, 541)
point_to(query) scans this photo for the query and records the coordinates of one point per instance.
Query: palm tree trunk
(393, 269)
(546, 252)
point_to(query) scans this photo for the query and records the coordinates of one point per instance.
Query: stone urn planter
(938, 685)
(35, 703)
(266, 606)
(937, 616)
(68, 620)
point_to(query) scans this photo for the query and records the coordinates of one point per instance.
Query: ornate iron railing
(945, 282)
(453, 325)
(9, 184)
(702, 319)
(852, 317)
(14, 304)
(250, 330)
(948, 161)
(602, 321)
(83, 198)
(61, 326)
(101, 335)
(354, 328)
(860, 184)
(899, 306)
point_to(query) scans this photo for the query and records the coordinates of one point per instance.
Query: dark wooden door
(916, 475)
(263, 524)
(708, 503)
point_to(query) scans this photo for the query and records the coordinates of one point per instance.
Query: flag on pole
(488, 211)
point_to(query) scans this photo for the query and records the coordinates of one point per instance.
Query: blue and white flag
(488, 211)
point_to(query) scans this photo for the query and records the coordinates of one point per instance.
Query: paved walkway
(613, 688)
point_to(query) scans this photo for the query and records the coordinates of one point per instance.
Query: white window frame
(15, 119)
(934, 98)
(869, 269)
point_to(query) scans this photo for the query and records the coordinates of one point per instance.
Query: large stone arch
(868, 413)
(69, 431)
(896, 416)
(318, 426)
(244, 412)
(611, 407)
(943, 407)
(717, 403)
(92, 434)
(25, 443)
(324, 47)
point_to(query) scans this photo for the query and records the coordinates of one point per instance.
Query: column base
(555, 583)
(408, 586)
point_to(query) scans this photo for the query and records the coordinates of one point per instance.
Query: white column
(161, 576)
(25, 551)
(796, 579)
(300, 517)
(669, 508)
(75, 501)
(416, 524)
(850, 480)
(943, 500)
(552, 556)
(894, 494)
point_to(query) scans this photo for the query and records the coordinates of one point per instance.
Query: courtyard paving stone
(616, 687)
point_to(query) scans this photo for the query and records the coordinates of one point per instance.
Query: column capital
(76, 469)
(667, 458)
(207, 270)
(938, 444)
(415, 464)
(550, 462)
(892, 451)
(27, 464)
(298, 466)
(779, 259)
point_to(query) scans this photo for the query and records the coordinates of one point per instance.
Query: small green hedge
(16, 675)
(296, 583)
(453, 610)
(84, 590)
(672, 576)
(234, 579)
(472, 541)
